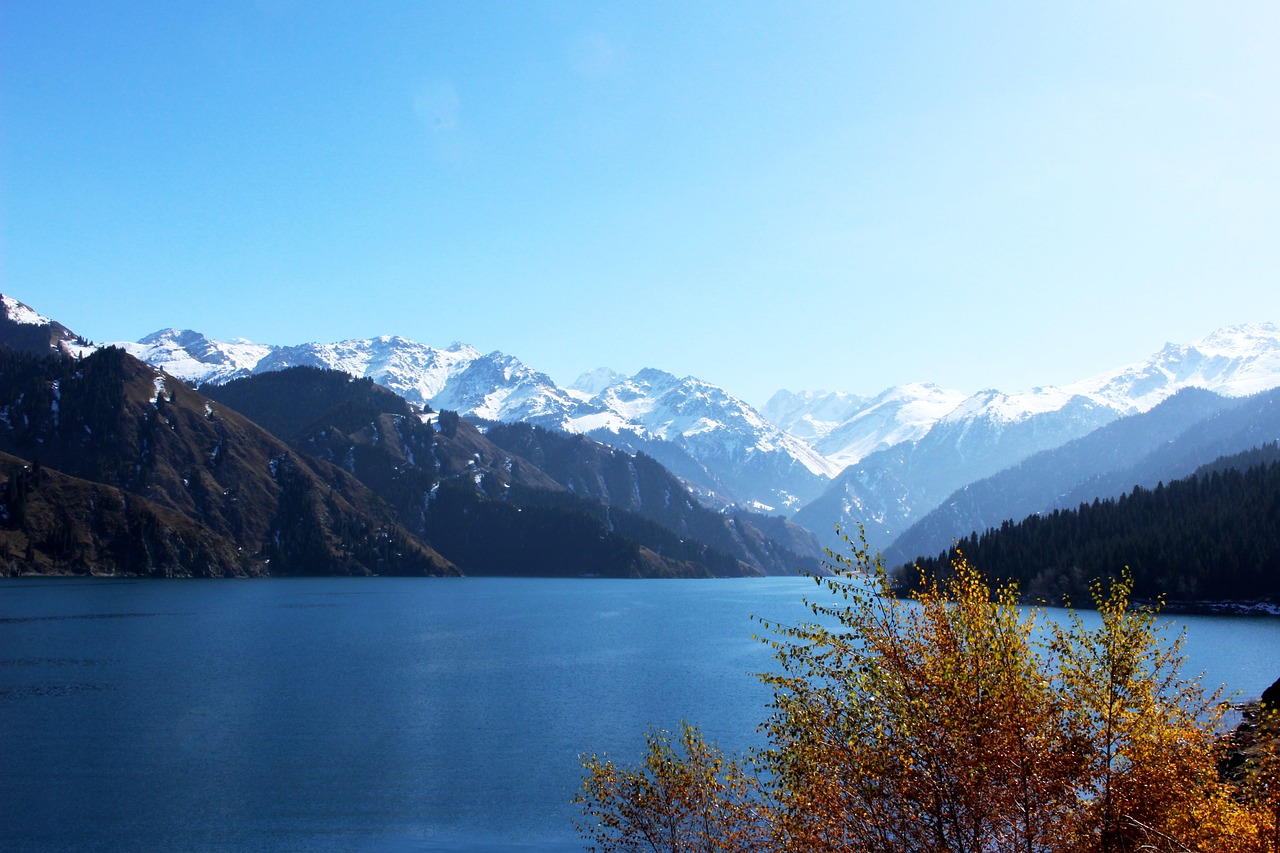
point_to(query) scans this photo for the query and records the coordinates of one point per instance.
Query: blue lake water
(381, 714)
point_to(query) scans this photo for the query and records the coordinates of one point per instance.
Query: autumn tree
(953, 720)
(684, 797)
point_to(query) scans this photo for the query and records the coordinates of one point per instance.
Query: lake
(382, 713)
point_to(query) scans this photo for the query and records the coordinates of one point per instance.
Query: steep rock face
(113, 420)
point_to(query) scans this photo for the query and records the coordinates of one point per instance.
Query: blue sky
(765, 195)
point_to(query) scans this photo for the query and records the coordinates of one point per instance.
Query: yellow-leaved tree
(955, 721)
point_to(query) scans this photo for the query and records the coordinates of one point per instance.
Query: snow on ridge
(811, 415)
(898, 414)
(22, 314)
(704, 418)
(1234, 361)
(593, 382)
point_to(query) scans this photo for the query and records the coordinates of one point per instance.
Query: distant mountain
(751, 460)
(811, 415)
(593, 382)
(889, 490)
(1041, 482)
(108, 465)
(1254, 421)
(738, 457)
(639, 484)
(896, 416)
(830, 458)
(892, 489)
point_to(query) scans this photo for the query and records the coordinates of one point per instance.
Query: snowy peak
(415, 371)
(811, 415)
(500, 387)
(24, 329)
(23, 315)
(899, 414)
(704, 418)
(593, 382)
(1234, 361)
(194, 358)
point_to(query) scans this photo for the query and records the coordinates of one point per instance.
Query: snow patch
(21, 314)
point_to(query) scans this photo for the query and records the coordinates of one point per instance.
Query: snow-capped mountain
(1171, 440)
(195, 359)
(899, 414)
(593, 382)
(27, 330)
(740, 457)
(1234, 361)
(845, 427)
(499, 387)
(811, 415)
(989, 431)
(913, 444)
(755, 460)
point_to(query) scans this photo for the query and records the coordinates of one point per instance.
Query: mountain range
(111, 465)
(829, 457)
(890, 490)
(897, 463)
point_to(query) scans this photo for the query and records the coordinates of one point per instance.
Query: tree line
(1212, 536)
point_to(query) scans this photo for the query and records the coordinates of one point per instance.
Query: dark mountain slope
(53, 523)
(487, 508)
(111, 419)
(639, 484)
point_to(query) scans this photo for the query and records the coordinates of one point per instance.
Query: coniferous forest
(1214, 536)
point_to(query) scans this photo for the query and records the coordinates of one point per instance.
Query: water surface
(381, 714)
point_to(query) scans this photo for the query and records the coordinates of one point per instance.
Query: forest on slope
(1214, 536)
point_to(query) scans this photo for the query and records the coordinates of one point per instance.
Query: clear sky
(839, 195)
